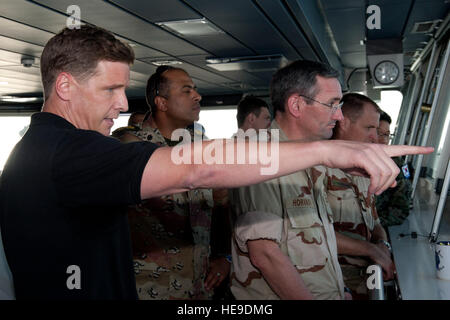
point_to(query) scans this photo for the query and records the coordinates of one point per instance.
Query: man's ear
(251, 118)
(63, 84)
(344, 124)
(294, 105)
(161, 103)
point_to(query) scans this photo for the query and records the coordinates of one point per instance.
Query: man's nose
(373, 137)
(197, 96)
(123, 102)
(338, 115)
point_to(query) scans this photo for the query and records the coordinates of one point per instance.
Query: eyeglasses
(385, 135)
(329, 105)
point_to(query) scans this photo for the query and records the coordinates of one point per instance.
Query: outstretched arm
(163, 176)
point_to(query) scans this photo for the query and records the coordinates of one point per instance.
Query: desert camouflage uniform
(393, 204)
(171, 240)
(355, 216)
(293, 212)
(119, 132)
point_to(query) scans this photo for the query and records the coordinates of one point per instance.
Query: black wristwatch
(387, 244)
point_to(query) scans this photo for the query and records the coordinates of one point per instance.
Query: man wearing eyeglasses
(284, 243)
(361, 239)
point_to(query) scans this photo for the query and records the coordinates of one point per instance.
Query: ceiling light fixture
(191, 28)
(19, 99)
(166, 62)
(249, 63)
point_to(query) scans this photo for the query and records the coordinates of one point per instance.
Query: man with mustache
(171, 235)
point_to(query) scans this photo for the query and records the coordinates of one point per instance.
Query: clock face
(386, 72)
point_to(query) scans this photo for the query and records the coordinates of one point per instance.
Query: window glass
(12, 128)
(391, 101)
(219, 123)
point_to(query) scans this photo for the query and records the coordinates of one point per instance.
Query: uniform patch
(302, 203)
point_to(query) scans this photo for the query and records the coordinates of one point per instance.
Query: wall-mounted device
(385, 59)
(386, 70)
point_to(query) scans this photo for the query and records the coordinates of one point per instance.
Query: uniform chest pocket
(305, 241)
(343, 203)
(303, 217)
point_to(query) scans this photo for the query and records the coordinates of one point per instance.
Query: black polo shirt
(63, 194)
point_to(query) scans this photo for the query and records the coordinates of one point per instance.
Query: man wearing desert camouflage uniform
(171, 234)
(361, 239)
(284, 244)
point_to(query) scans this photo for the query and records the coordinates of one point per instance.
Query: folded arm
(277, 270)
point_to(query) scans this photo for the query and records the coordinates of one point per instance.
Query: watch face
(386, 72)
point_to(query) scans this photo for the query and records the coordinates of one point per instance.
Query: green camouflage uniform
(393, 204)
(355, 216)
(293, 212)
(171, 240)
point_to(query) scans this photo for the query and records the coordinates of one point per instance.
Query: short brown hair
(78, 51)
(354, 103)
(249, 104)
(298, 77)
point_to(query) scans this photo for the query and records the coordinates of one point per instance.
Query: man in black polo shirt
(63, 188)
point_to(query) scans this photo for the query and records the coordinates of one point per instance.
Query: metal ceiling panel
(158, 10)
(13, 82)
(141, 51)
(200, 73)
(348, 28)
(33, 15)
(219, 44)
(229, 76)
(310, 16)
(236, 81)
(127, 25)
(143, 68)
(12, 91)
(20, 47)
(245, 22)
(423, 11)
(19, 31)
(393, 16)
(34, 87)
(12, 58)
(348, 25)
(20, 72)
(354, 60)
(137, 76)
(277, 12)
(342, 4)
(309, 29)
